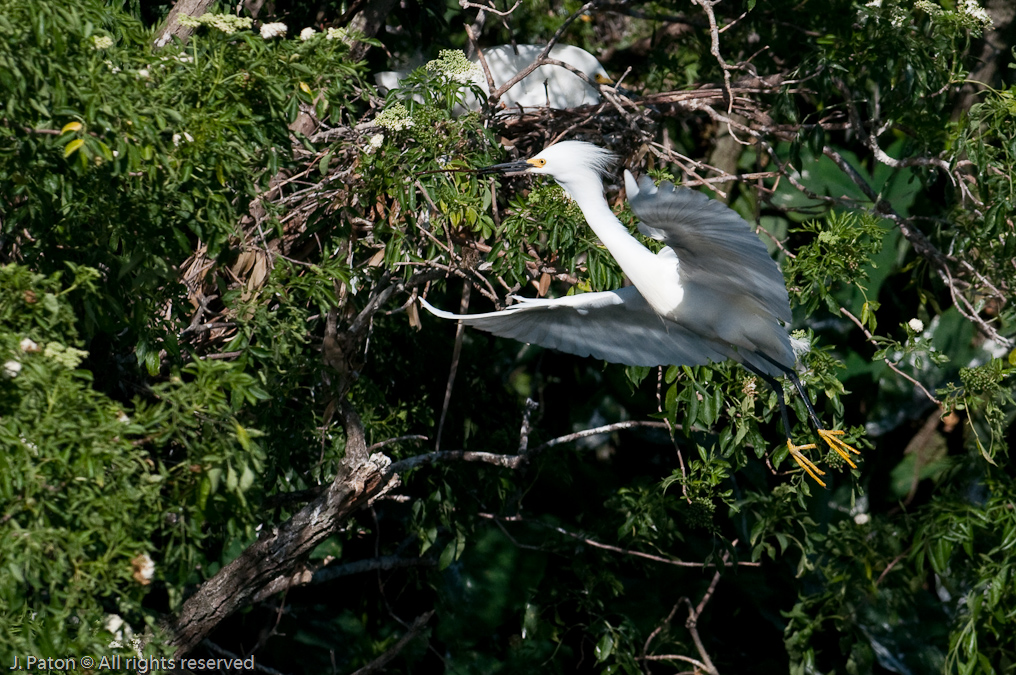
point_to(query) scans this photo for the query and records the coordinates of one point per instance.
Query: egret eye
(537, 162)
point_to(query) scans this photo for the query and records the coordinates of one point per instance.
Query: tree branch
(279, 552)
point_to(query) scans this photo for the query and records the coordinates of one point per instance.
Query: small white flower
(335, 34)
(862, 519)
(875, 4)
(123, 419)
(12, 368)
(916, 325)
(105, 42)
(143, 73)
(898, 16)
(307, 33)
(144, 569)
(375, 142)
(271, 30)
(188, 137)
(113, 623)
(28, 345)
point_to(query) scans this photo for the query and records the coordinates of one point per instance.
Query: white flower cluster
(971, 9)
(307, 33)
(177, 138)
(68, 357)
(916, 325)
(335, 34)
(897, 15)
(272, 30)
(101, 42)
(394, 118)
(967, 13)
(454, 64)
(374, 143)
(227, 23)
(122, 632)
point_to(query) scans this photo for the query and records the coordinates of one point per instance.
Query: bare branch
(542, 58)
(647, 556)
(606, 429)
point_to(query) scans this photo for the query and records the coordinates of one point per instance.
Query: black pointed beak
(518, 166)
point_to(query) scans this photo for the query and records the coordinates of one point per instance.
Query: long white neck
(655, 278)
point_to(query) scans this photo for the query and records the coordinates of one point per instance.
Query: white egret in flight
(547, 86)
(711, 294)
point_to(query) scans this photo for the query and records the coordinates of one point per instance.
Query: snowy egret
(547, 86)
(711, 294)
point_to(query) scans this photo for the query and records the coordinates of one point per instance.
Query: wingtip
(437, 312)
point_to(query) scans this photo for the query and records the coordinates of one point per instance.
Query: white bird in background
(711, 294)
(547, 86)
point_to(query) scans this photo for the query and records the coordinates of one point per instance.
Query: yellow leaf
(72, 146)
(305, 87)
(71, 126)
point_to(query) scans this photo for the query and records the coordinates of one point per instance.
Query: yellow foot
(804, 462)
(837, 444)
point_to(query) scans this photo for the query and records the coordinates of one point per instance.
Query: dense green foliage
(193, 282)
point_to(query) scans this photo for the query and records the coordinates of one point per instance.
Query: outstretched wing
(617, 326)
(715, 247)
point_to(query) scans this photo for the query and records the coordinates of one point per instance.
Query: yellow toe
(832, 437)
(805, 463)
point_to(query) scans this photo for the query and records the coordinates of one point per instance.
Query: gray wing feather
(617, 326)
(716, 248)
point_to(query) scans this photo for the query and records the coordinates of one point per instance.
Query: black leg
(789, 372)
(832, 437)
(794, 450)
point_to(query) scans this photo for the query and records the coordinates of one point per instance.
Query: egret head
(575, 165)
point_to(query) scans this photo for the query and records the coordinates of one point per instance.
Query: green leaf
(604, 648)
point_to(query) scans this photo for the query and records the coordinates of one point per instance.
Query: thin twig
(599, 430)
(378, 664)
(397, 439)
(714, 49)
(479, 52)
(889, 363)
(648, 556)
(460, 330)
